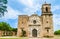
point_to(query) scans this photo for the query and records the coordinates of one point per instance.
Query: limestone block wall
(22, 24)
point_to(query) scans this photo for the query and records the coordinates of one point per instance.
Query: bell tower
(46, 8)
(47, 21)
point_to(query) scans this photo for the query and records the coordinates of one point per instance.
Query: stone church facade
(37, 26)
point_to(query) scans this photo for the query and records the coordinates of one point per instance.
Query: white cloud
(56, 19)
(11, 14)
(32, 9)
(56, 7)
(15, 25)
(26, 2)
(31, 3)
(31, 6)
(34, 5)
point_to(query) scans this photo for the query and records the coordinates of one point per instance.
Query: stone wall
(7, 33)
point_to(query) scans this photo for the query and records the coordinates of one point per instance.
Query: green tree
(5, 26)
(3, 7)
(14, 29)
(57, 32)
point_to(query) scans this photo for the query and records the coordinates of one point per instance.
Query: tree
(5, 26)
(57, 32)
(3, 7)
(14, 29)
(7, 29)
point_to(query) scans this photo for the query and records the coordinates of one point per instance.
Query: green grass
(15, 38)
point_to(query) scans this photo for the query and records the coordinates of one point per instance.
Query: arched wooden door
(34, 33)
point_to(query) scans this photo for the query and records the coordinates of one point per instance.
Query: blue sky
(28, 7)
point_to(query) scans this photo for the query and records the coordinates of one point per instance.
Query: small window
(47, 30)
(47, 22)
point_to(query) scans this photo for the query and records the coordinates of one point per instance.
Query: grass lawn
(15, 38)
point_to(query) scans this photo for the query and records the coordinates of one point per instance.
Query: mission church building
(36, 26)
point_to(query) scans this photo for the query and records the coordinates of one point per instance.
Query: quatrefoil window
(34, 21)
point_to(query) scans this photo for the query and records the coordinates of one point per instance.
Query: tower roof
(46, 3)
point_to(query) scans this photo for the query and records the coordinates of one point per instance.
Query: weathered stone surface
(37, 26)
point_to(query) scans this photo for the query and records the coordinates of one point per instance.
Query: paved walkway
(9, 37)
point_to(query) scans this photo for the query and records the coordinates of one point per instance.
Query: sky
(28, 7)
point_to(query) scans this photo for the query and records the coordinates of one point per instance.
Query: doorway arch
(34, 33)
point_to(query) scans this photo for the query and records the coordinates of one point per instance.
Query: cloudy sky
(28, 7)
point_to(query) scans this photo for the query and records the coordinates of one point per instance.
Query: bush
(57, 32)
(23, 33)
